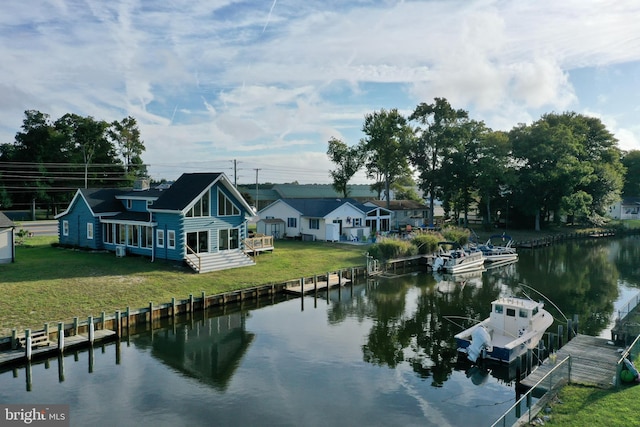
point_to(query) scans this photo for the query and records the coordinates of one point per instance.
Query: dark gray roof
(184, 191)
(322, 207)
(5, 222)
(103, 200)
(151, 193)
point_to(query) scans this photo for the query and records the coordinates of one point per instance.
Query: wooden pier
(330, 281)
(17, 356)
(593, 362)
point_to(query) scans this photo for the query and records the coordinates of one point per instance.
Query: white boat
(498, 253)
(514, 326)
(456, 259)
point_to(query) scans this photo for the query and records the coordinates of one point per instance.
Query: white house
(322, 219)
(7, 239)
(627, 208)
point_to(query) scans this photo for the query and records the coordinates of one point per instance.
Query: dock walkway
(334, 280)
(593, 362)
(81, 340)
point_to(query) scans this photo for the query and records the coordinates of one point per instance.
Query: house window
(171, 239)
(357, 222)
(292, 222)
(201, 207)
(129, 204)
(146, 237)
(226, 206)
(132, 235)
(90, 230)
(107, 232)
(160, 238)
(121, 233)
(65, 228)
(314, 224)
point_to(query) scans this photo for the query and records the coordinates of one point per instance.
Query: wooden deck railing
(192, 252)
(253, 244)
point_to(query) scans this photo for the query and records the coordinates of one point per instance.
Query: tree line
(49, 160)
(562, 166)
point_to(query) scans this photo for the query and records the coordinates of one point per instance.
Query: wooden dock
(317, 285)
(593, 362)
(10, 357)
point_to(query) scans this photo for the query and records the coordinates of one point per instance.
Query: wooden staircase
(214, 261)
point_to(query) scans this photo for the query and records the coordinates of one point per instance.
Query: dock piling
(60, 337)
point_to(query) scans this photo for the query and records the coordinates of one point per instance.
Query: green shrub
(391, 248)
(455, 234)
(426, 243)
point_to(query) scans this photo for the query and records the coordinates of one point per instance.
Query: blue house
(200, 219)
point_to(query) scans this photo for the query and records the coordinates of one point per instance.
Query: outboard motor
(480, 339)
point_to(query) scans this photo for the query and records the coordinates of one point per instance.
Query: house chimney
(141, 184)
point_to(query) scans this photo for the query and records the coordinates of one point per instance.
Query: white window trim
(90, 231)
(65, 228)
(160, 238)
(171, 236)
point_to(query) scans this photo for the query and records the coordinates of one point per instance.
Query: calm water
(378, 353)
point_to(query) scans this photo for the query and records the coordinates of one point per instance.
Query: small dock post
(173, 308)
(27, 340)
(75, 326)
(60, 337)
(14, 339)
(118, 323)
(91, 329)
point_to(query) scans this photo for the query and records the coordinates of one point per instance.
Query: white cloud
(279, 79)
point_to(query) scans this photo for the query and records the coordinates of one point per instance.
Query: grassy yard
(48, 284)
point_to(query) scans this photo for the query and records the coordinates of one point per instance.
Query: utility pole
(257, 208)
(235, 173)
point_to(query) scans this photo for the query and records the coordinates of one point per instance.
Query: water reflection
(209, 349)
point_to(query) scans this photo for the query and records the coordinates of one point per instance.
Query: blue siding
(138, 206)
(78, 217)
(169, 222)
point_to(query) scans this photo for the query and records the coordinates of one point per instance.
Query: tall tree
(86, 137)
(437, 129)
(349, 160)
(495, 173)
(631, 161)
(387, 142)
(460, 171)
(126, 136)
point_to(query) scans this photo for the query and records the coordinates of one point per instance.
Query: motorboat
(514, 326)
(495, 252)
(452, 258)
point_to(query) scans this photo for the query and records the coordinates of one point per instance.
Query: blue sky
(267, 83)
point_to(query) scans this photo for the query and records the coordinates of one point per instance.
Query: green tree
(437, 130)
(459, 173)
(86, 138)
(387, 143)
(548, 166)
(495, 173)
(126, 137)
(349, 160)
(631, 162)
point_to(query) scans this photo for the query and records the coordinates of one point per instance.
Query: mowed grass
(579, 406)
(49, 284)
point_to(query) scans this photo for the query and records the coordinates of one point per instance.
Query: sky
(267, 83)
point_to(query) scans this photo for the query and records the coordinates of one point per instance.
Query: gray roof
(184, 191)
(309, 191)
(318, 208)
(5, 222)
(103, 200)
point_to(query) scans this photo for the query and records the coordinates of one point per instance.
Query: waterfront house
(7, 240)
(404, 212)
(627, 208)
(322, 219)
(200, 219)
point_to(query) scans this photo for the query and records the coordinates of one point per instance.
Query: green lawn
(48, 284)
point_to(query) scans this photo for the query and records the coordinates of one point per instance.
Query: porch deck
(259, 243)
